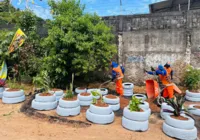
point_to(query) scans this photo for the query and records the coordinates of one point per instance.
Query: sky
(101, 7)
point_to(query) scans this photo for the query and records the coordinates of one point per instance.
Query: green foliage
(12, 83)
(134, 104)
(69, 93)
(76, 42)
(96, 93)
(192, 78)
(177, 104)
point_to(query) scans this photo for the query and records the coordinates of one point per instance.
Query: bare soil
(46, 94)
(70, 99)
(13, 89)
(111, 96)
(18, 126)
(180, 118)
(85, 94)
(197, 107)
(101, 104)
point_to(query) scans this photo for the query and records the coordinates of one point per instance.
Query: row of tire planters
(13, 96)
(100, 113)
(112, 101)
(141, 96)
(68, 107)
(128, 89)
(1, 91)
(44, 101)
(79, 90)
(58, 92)
(135, 121)
(181, 127)
(192, 96)
(165, 106)
(194, 109)
(102, 91)
(85, 99)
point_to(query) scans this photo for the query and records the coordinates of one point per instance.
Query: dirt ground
(16, 125)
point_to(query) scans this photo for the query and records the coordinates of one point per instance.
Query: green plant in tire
(134, 104)
(96, 93)
(69, 93)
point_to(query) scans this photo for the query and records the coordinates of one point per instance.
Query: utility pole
(188, 5)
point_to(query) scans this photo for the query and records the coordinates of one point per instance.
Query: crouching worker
(117, 77)
(164, 77)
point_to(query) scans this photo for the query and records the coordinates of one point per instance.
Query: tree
(77, 43)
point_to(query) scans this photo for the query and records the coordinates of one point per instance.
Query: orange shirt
(118, 71)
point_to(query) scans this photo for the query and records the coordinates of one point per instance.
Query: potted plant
(192, 82)
(194, 109)
(113, 101)
(134, 117)
(13, 94)
(85, 99)
(57, 92)
(44, 100)
(100, 112)
(69, 104)
(96, 94)
(179, 125)
(2, 88)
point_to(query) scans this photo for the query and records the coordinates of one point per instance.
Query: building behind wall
(174, 5)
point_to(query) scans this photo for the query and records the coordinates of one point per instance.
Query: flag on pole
(3, 71)
(17, 41)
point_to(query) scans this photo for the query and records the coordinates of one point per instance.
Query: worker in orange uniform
(169, 70)
(166, 81)
(117, 77)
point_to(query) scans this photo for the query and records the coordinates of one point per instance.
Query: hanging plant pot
(181, 127)
(12, 96)
(80, 90)
(194, 109)
(141, 96)
(128, 89)
(44, 101)
(85, 99)
(68, 107)
(100, 113)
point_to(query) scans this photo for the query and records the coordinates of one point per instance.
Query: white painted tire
(57, 93)
(115, 107)
(99, 119)
(189, 124)
(192, 94)
(14, 100)
(111, 101)
(96, 97)
(13, 94)
(193, 99)
(85, 103)
(68, 111)
(194, 111)
(136, 116)
(103, 91)
(85, 98)
(78, 91)
(58, 97)
(135, 125)
(93, 89)
(100, 110)
(39, 98)
(1, 95)
(164, 114)
(44, 105)
(145, 105)
(166, 106)
(68, 104)
(129, 86)
(2, 89)
(177, 133)
(143, 97)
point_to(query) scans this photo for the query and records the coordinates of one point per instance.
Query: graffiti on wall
(134, 59)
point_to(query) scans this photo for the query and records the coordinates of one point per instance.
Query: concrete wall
(152, 39)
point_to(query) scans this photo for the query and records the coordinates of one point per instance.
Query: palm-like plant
(96, 93)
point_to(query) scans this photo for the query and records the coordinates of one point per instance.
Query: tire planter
(114, 103)
(103, 91)
(44, 102)
(193, 99)
(194, 110)
(2, 89)
(141, 96)
(1, 95)
(99, 119)
(180, 129)
(100, 110)
(68, 108)
(85, 100)
(78, 91)
(128, 89)
(135, 121)
(58, 93)
(192, 94)
(165, 114)
(12, 97)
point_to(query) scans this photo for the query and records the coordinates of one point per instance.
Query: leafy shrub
(134, 104)
(69, 93)
(192, 78)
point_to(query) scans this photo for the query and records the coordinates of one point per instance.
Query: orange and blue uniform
(163, 75)
(117, 75)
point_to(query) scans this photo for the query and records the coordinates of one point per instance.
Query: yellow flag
(17, 40)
